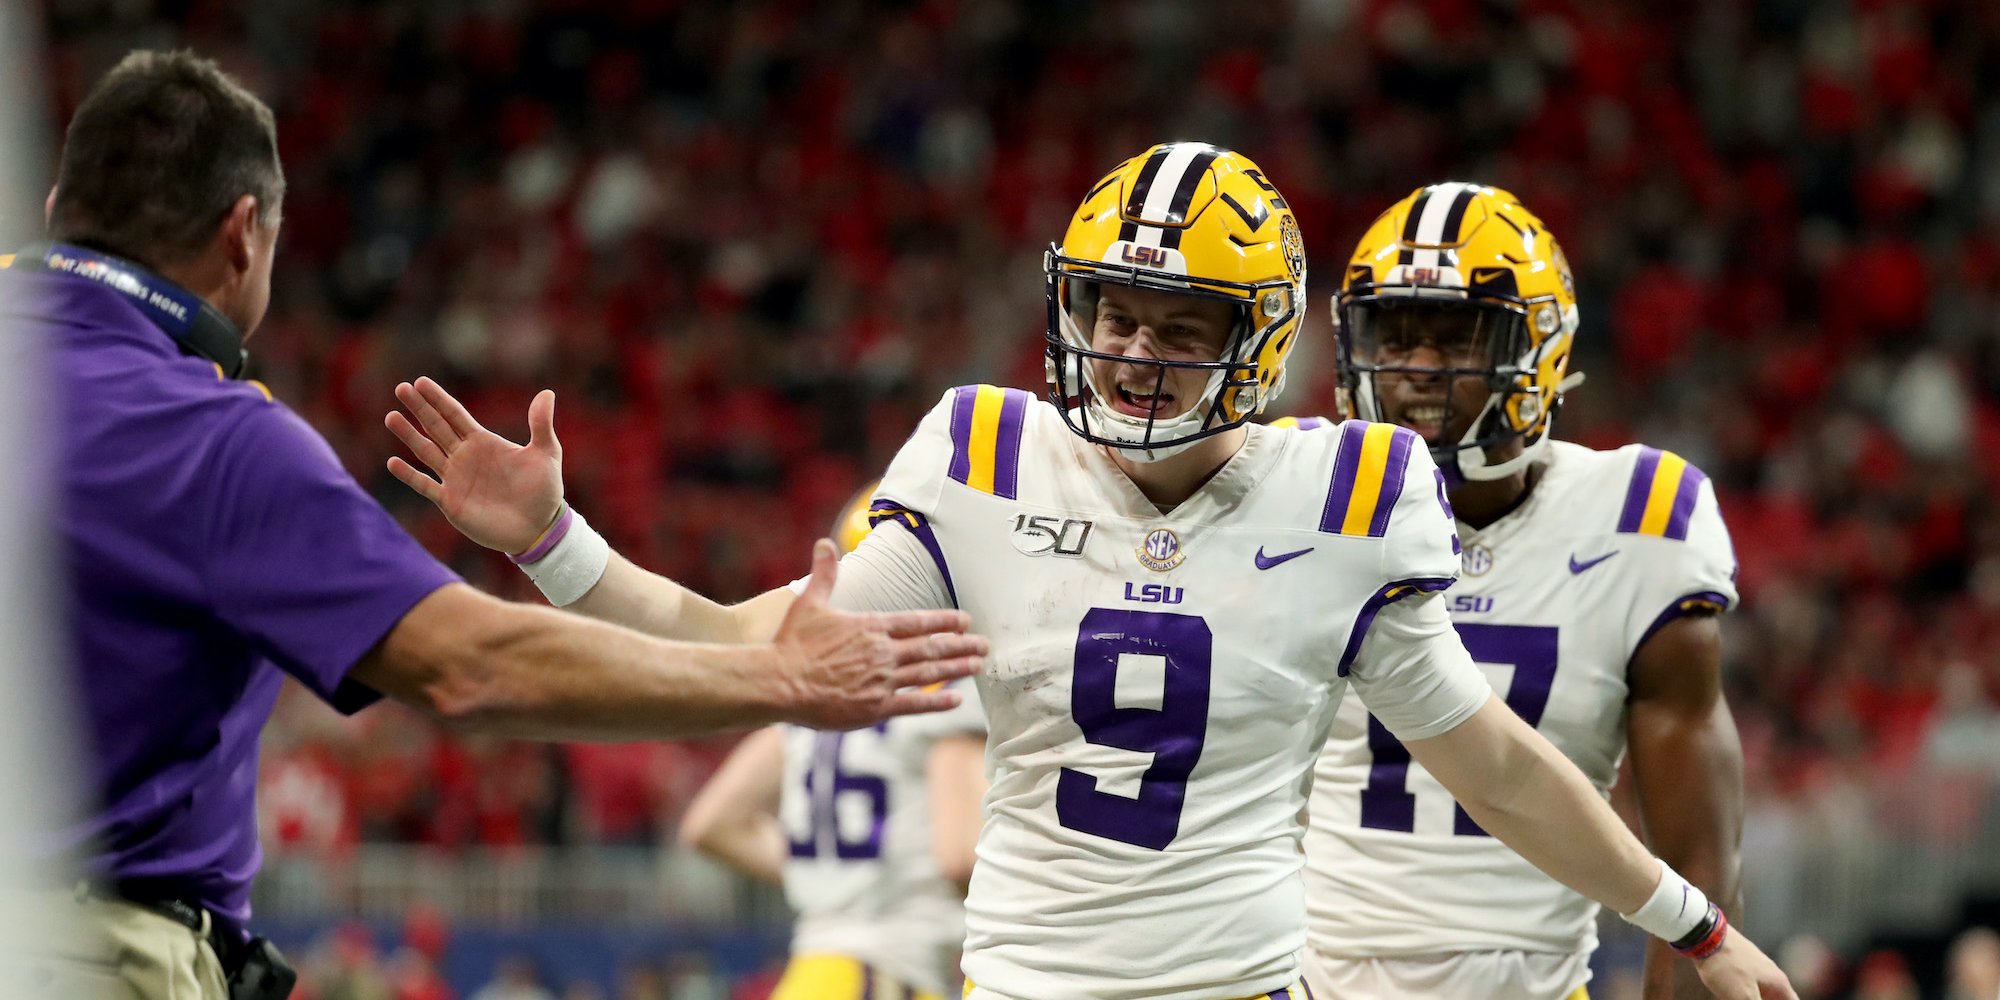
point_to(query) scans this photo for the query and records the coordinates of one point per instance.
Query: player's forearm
(1688, 774)
(485, 665)
(650, 603)
(1712, 867)
(1667, 977)
(1519, 788)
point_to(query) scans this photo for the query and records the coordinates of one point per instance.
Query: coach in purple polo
(215, 545)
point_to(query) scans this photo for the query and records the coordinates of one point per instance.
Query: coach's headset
(197, 327)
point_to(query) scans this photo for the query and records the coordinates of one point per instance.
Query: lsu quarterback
(1177, 600)
(1589, 588)
(870, 832)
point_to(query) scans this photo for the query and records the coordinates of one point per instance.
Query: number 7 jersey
(1160, 683)
(1553, 601)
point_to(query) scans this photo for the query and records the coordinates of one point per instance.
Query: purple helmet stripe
(1392, 481)
(1684, 499)
(1641, 488)
(962, 401)
(1345, 464)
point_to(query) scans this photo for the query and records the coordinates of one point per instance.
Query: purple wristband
(549, 540)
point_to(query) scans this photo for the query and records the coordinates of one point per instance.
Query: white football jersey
(856, 808)
(1160, 683)
(1552, 601)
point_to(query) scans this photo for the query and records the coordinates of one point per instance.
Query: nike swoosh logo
(1578, 567)
(1266, 562)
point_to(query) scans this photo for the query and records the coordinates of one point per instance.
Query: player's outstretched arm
(1687, 768)
(734, 819)
(1521, 789)
(482, 664)
(509, 497)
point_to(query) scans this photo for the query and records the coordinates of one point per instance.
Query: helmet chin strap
(1473, 467)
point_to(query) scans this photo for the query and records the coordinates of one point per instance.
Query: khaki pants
(89, 948)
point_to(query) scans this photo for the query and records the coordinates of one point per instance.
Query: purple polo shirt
(212, 544)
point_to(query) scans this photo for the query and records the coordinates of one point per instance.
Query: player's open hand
(495, 492)
(849, 670)
(1741, 971)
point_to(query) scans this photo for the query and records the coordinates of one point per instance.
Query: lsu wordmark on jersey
(862, 875)
(1552, 601)
(1160, 683)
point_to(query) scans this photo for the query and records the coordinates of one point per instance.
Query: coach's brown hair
(157, 154)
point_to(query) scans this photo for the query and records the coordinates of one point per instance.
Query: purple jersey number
(1531, 650)
(824, 818)
(1172, 733)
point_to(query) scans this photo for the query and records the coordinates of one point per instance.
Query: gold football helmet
(1470, 249)
(1190, 218)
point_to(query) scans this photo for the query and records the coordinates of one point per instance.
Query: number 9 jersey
(1161, 683)
(1553, 601)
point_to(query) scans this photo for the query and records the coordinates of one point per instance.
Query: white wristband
(1674, 910)
(573, 566)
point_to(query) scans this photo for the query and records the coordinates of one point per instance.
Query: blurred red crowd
(749, 243)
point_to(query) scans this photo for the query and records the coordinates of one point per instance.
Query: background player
(1589, 590)
(1150, 766)
(871, 833)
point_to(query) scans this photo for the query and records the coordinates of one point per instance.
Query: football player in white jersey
(1588, 593)
(1177, 600)
(871, 833)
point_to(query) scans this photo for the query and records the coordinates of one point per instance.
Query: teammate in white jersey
(871, 833)
(1588, 592)
(1177, 600)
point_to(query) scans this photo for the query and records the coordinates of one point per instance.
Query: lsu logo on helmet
(1475, 249)
(1190, 218)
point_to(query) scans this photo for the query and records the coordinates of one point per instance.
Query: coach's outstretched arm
(483, 664)
(1521, 789)
(509, 498)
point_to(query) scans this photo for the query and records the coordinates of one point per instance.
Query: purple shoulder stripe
(962, 400)
(1007, 450)
(1346, 463)
(1639, 490)
(1392, 480)
(1684, 499)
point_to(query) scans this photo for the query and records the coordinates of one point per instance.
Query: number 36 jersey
(1160, 683)
(1552, 601)
(856, 809)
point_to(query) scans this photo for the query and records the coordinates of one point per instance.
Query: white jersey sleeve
(1410, 668)
(1421, 545)
(1414, 674)
(891, 570)
(1689, 565)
